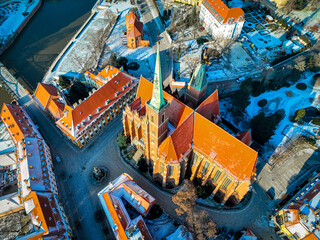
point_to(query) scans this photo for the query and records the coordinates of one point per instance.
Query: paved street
(157, 31)
(83, 201)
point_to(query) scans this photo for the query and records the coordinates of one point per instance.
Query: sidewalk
(12, 85)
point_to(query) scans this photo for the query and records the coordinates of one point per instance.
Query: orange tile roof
(47, 213)
(178, 111)
(105, 75)
(167, 150)
(312, 236)
(44, 93)
(80, 113)
(231, 154)
(131, 17)
(179, 142)
(135, 30)
(18, 122)
(134, 26)
(114, 215)
(209, 106)
(56, 108)
(221, 12)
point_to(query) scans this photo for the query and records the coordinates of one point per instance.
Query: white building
(221, 21)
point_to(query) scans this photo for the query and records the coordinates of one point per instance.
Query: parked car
(58, 159)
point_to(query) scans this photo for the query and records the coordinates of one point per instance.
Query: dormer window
(107, 102)
(99, 108)
(90, 116)
(116, 94)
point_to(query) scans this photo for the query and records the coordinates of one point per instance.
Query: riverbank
(83, 51)
(14, 17)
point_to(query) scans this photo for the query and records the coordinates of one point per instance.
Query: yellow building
(299, 219)
(177, 140)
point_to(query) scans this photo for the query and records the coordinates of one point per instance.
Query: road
(156, 31)
(79, 193)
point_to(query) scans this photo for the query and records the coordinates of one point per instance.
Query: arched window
(163, 118)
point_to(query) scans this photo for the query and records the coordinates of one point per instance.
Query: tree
(64, 82)
(199, 223)
(300, 114)
(122, 140)
(99, 215)
(262, 127)
(77, 91)
(300, 66)
(179, 52)
(242, 98)
(185, 198)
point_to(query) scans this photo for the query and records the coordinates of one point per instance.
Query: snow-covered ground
(190, 57)
(11, 17)
(290, 104)
(236, 3)
(81, 50)
(142, 55)
(161, 227)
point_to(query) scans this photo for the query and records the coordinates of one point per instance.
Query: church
(179, 142)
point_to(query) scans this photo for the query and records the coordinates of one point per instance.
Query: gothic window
(205, 168)
(163, 118)
(161, 168)
(170, 170)
(153, 131)
(152, 118)
(216, 176)
(194, 159)
(226, 183)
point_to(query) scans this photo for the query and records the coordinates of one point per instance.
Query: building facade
(299, 218)
(134, 31)
(112, 200)
(82, 121)
(221, 21)
(37, 187)
(176, 139)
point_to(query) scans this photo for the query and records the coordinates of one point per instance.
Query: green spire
(157, 100)
(199, 78)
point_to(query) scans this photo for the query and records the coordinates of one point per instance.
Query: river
(46, 34)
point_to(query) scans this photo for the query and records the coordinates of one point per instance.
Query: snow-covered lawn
(11, 17)
(161, 227)
(140, 55)
(280, 100)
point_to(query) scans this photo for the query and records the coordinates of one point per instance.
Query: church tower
(156, 113)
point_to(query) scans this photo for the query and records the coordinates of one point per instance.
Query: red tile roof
(232, 155)
(134, 26)
(135, 30)
(179, 142)
(245, 137)
(97, 100)
(221, 12)
(209, 106)
(44, 93)
(131, 17)
(18, 122)
(104, 76)
(112, 197)
(56, 108)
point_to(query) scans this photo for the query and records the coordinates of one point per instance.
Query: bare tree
(185, 198)
(300, 66)
(199, 223)
(84, 62)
